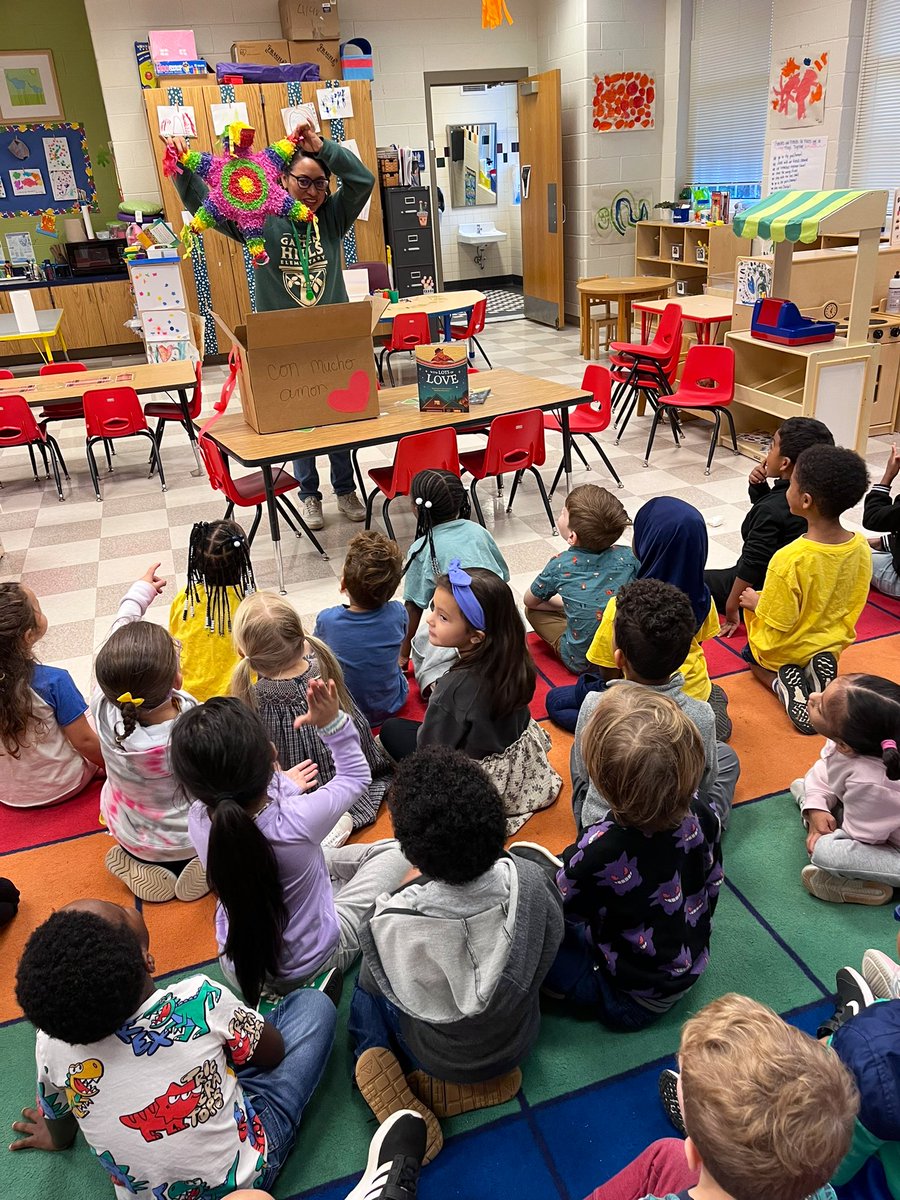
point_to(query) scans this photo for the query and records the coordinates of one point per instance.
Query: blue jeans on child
(307, 474)
(306, 1021)
(564, 703)
(584, 984)
(375, 1022)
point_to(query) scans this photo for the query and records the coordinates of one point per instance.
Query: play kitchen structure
(803, 342)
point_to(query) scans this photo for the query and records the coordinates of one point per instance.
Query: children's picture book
(443, 377)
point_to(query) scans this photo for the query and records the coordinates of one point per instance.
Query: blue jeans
(564, 703)
(373, 1022)
(341, 475)
(578, 976)
(306, 1021)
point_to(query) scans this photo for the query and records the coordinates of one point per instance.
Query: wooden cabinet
(688, 253)
(94, 316)
(115, 305)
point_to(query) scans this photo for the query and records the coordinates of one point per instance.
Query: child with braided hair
(135, 705)
(443, 532)
(219, 576)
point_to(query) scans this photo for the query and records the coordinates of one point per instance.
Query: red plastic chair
(408, 331)
(168, 410)
(515, 444)
(587, 419)
(462, 333)
(636, 379)
(110, 413)
(4, 374)
(650, 355)
(249, 490)
(435, 450)
(19, 428)
(707, 382)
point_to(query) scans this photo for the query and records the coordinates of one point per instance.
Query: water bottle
(893, 295)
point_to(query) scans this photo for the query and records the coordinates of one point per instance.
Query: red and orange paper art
(624, 100)
(797, 96)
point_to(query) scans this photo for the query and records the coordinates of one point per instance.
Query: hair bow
(461, 587)
(127, 698)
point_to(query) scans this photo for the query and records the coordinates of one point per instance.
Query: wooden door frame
(491, 75)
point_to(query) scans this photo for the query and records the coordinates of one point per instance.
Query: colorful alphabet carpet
(588, 1103)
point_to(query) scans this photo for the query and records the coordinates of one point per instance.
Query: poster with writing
(20, 246)
(334, 102)
(292, 117)
(351, 145)
(223, 115)
(797, 163)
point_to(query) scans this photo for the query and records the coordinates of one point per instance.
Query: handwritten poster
(223, 115)
(334, 102)
(797, 163)
(292, 117)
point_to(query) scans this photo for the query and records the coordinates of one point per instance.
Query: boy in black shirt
(883, 515)
(769, 524)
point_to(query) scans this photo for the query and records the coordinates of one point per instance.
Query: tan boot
(450, 1099)
(383, 1086)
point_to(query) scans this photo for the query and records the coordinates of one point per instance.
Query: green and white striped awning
(792, 216)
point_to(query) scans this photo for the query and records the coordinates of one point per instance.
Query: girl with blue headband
(480, 706)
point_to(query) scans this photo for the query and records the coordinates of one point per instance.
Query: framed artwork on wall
(28, 87)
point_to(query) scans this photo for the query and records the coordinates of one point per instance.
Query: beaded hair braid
(218, 559)
(439, 496)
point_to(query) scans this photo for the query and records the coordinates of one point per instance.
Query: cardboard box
(303, 367)
(309, 20)
(271, 51)
(326, 54)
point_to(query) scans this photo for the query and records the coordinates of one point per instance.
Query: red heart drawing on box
(354, 397)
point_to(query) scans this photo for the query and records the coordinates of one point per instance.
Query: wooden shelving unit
(688, 253)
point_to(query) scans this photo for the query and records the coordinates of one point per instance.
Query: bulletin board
(55, 170)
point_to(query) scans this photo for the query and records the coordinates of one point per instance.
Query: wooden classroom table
(47, 390)
(399, 416)
(48, 320)
(438, 304)
(623, 291)
(707, 313)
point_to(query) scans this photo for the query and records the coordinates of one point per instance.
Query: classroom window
(876, 137)
(731, 53)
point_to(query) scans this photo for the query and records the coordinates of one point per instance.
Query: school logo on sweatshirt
(292, 274)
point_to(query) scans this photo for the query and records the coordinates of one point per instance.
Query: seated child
(768, 1111)
(133, 1064)
(453, 960)
(9, 901)
(883, 515)
(769, 524)
(136, 703)
(850, 798)
(815, 588)
(270, 641)
(48, 750)
(280, 920)
(652, 634)
(443, 532)
(565, 603)
(219, 576)
(640, 889)
(480, 706)
(366, 634)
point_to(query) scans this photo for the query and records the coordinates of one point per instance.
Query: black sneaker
(395, 1159)
(853, 995)
(540, 855)
(330, 982)
(668, 1093)
(792, 689)
(821, 670)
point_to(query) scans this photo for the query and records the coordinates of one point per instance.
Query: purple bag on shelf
(266, 73)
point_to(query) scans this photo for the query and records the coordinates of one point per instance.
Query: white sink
(480, 234)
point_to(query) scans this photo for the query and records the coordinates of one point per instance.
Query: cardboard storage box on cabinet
(326, 54)
(309, 20)
(307, 367)
(274, 50)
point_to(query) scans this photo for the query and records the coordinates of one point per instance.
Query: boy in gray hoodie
(447, 1006)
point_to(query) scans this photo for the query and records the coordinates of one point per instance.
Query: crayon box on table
(443, 377)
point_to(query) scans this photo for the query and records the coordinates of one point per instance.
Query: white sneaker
(312, 513)
(349, 506)
(339, 833)
(882, 974)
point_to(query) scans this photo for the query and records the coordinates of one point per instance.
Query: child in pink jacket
(850, 798)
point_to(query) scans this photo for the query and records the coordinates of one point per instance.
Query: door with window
(543, 212)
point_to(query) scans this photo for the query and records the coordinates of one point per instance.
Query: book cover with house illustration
(443, 377)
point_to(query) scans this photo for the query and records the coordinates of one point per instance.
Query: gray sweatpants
(841, 854)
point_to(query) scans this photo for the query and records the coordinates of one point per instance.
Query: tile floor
(80, 556)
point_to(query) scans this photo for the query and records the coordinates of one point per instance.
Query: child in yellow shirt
(220, 575)
(815, 587)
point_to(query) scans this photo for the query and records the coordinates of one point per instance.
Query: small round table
(622, 290)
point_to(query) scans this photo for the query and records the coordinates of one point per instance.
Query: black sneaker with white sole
(395, 1159)
(821, 670)
(853, 995)
(330, 982)
(792, 689)
(668, 1093)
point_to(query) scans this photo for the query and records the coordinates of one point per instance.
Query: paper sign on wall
(292, 117)
(350, 144)
(223, 114)
(20, 246)
(797, 163)
(334, 102)
(27, 182)
(175, 121)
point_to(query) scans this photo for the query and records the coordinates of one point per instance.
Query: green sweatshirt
(281, 283)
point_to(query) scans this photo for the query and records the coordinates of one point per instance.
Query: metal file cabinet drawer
(412, 248)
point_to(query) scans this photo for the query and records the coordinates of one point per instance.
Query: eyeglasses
(305, 184)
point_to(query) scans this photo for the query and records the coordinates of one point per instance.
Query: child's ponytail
(437, 497)
(872, 720)
(136, 670)
(221, 755)
(242, 683)
(330, 668)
